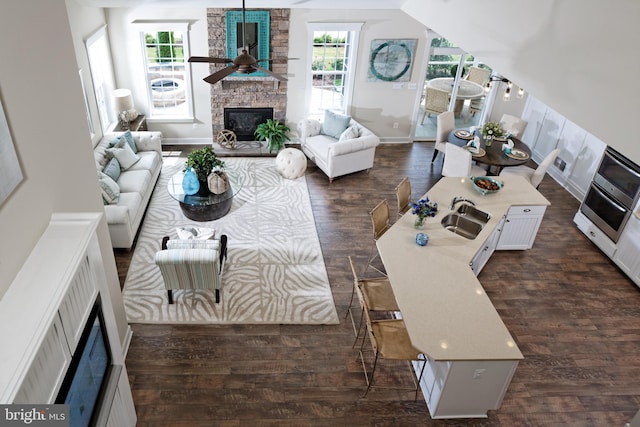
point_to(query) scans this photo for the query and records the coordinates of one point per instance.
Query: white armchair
(192, 264)
(353, 151)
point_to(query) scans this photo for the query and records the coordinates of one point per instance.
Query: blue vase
(422, 239)
(190, 183)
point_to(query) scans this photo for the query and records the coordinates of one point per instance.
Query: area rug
(274, 273)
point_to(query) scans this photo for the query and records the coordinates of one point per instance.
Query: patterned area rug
(274, 271)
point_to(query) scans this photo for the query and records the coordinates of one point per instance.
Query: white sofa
(338, 156)
(136, 183)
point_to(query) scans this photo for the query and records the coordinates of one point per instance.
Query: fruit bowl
(486, 185)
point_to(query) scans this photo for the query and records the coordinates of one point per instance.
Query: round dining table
(466, 89)
(492, 156)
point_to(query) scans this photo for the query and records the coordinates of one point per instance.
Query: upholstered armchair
(340, 149)
(192, 264)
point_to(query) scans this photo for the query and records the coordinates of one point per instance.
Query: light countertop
(447, 313)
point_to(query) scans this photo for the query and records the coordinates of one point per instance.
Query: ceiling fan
(243, 63)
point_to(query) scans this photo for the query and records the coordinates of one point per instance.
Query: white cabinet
(627, 254)
(520, 227)
(482, 256)
(585, 166)
(594, 234)
(465, 389)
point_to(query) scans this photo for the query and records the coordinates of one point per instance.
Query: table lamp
(124, 106)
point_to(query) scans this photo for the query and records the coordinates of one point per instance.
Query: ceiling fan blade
(219, 75)
(274, 75)
(209, 59)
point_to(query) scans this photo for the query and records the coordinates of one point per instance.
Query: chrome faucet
(457, 200)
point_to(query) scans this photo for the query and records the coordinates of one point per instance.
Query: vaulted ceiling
(250, 4)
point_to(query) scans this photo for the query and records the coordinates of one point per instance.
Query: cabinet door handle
(527, 210)
(507, 220)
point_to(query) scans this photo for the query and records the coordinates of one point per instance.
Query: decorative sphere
(422, 239)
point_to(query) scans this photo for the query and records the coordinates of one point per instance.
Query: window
(334, 52)
(168, 85)
(102, 76)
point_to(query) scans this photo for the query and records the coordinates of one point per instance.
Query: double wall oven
(613, 193)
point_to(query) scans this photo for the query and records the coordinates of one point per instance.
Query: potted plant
(203, 161)
(274, 132)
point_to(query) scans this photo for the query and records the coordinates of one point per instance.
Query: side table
(136, 125)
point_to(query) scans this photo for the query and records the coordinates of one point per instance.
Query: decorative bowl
(486, 184)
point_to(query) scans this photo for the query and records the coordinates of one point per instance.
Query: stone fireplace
(244, 121)
(247, 91)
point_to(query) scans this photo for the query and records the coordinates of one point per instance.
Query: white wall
(577, 56)
(42, 98)
(375, 104)
(129, 67)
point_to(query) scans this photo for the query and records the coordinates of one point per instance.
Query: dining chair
(403, 196)
(536, 175)
(445, 124)
(436, 101)
(380, 222)
(475, 106)
(512, 124)
(478, 75)
(377, 294)
(389, 341)
(459, 162)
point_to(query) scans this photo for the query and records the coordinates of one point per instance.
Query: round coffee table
(204, 206)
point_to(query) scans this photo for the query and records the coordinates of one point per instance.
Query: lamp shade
(124, 100)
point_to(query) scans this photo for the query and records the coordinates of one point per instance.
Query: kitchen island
(471, 354)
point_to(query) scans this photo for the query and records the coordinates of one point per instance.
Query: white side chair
(533, 175)
(446, 122)
(458, 162)
(512, 124)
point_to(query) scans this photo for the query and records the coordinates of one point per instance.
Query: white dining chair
(445, 123)
(512, 124)
(533, 175)
(459, 162)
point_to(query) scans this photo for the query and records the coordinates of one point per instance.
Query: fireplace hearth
(244, 121)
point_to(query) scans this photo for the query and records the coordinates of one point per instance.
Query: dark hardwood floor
(574, 315)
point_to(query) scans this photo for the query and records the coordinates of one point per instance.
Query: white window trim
(184, 28)
(355, 27)
(106, 114)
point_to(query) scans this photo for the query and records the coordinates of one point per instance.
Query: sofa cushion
(135, 181)
(349, 133)
(125, 155)
(128, 138)
(334, 124)
(149, 161)
(112, 169)
(109, 189)
(126, 209)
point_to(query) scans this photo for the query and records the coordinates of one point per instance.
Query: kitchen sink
(462, 225)
(473, 213)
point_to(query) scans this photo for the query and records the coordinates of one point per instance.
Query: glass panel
(166, 73)
(330, 70)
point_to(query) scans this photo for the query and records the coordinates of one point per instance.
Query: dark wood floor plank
(574, 315)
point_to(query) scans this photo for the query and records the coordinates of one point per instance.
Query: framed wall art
(391, 60)
(10, 172)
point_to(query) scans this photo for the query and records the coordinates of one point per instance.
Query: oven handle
(613, 201)
(622, 163)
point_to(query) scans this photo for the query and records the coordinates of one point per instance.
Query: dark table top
(494, 155)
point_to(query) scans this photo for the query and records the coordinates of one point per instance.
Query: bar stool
(377, 295)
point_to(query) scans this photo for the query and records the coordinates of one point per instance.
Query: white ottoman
(291, 163)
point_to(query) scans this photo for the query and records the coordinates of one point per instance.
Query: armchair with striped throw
(192, 264)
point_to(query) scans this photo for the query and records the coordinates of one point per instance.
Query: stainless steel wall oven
(613, 192)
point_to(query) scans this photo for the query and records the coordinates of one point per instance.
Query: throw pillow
(195, 233)
(350, 133)
(112, 169)
(125, 155)
(109, 188)
(128, 137)
(334, 124)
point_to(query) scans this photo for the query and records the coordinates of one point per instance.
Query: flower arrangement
(492, 130)
(424, 208)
